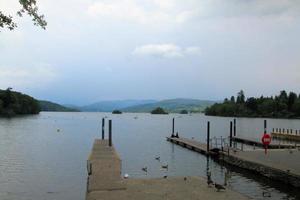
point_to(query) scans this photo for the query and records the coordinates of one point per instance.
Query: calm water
(38, 162)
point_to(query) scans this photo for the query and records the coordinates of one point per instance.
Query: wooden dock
(278, 164)
(104, 168)
(259, 144)
(193, 145)
(106, 183)
(285, 136)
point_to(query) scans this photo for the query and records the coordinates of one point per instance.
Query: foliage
(282, 106)
(28, 7)
(184, 112)
(15, 103)
(158, 110)
(54, 107)
(116, 112)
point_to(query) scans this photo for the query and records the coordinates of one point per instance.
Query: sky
(96, 50)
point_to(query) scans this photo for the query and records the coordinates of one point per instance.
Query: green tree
(296, 108)
(15, 103)
(291, 100)
(184, 112)
(251, 104)
(283, 96)
(1, 106)
(232, 99)
(281, 106)
(240, 97)
(116, 112)
(8, 98)
(28, 7)
(158, 110)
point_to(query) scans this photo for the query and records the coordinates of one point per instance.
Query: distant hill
(50, 106)
(109, 106)
(15, 103)
(173, 105)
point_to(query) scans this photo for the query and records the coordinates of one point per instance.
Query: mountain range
(109, 106)
(170, 105)
(54, 107)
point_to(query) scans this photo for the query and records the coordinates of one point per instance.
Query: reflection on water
(39, 162)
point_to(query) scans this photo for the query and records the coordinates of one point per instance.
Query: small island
(15, 103)
(159, 110)
(116, 112)
(184, 112)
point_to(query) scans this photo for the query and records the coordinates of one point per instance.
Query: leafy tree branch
(30, 8)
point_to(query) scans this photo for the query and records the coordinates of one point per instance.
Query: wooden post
(230, 136)
(103, 122)
(221, 143)
(265, 126)
(173, 126)
(208, 136)
(234, 127)
(109, 133)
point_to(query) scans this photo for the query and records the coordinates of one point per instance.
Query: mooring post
(109, 133)
(234, 127)
(265, 126)
(230, 136)
(173, 126)
(208, 136)
(103, 122)
(222, 143)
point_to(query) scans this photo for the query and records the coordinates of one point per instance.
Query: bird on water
(165, 166)
(145, 169)
(266, 194)
(126, 176)
(157, 158)
(219, 187)
(210, 182)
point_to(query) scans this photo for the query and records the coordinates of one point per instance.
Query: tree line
(15, 103)
(284, 105)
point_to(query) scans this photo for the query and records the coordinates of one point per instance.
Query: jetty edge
(278, 164)
(105, 182)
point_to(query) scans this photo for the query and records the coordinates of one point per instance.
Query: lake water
(44, 156)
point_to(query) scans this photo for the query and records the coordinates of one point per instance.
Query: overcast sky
(152, 49)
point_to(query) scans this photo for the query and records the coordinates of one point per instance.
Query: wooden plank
(290, 137)
(259, 144)
(190, 144)
(104, 166)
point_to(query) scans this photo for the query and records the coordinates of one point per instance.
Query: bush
(116, 112)
(158, 110)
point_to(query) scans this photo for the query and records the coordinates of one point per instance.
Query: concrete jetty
(105, 182)
(277, 164)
